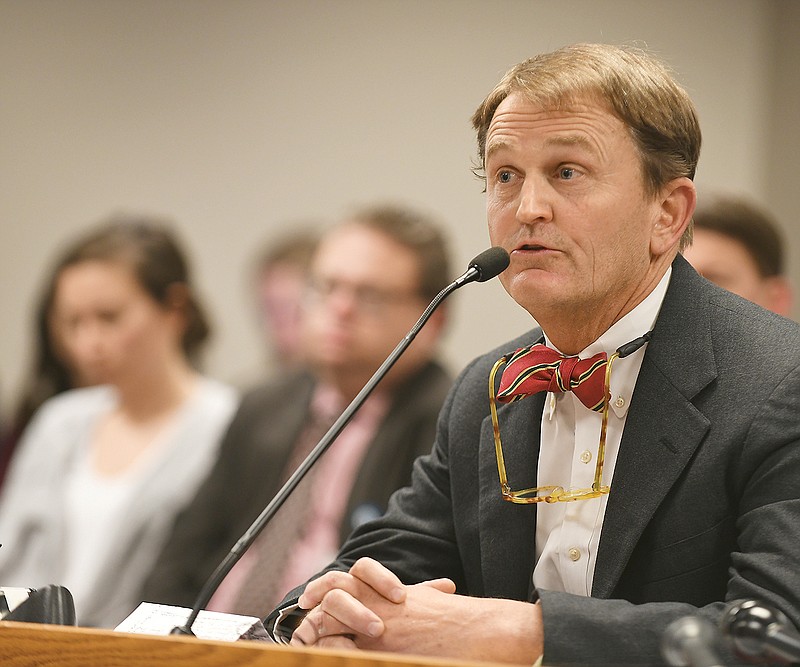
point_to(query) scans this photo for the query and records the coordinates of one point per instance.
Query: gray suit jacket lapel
(663, 428)
(508, 530)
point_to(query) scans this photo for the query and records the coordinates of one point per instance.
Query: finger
(344, 614)
(316, 625)
(318, 588)
(444, 585)
(365, 572)
(337, 642)
(379, 578)
(304, 634)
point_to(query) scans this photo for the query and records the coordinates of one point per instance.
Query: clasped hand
(370, 608)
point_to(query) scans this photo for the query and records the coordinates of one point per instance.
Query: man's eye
(504, 176)
(566, 173)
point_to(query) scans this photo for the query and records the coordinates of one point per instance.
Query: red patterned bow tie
(537, 368)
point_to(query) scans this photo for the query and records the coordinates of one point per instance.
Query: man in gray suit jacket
(570, 530)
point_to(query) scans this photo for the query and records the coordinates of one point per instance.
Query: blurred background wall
(236, 118)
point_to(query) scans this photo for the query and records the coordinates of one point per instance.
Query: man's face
(566, 199)
(362, 301)
(726, 262)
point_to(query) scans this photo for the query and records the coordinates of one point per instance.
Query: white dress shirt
(568, 533)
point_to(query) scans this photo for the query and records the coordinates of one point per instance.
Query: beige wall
(236, 117)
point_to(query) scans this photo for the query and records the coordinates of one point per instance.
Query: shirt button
(574, 554)
(586, 456)
(620, 402)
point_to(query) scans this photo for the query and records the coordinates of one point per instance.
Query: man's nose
(535, 201)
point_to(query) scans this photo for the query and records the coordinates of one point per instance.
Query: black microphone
(485, 266)
(757, 630)
(490, 263)
(690, 641)
(50, 604)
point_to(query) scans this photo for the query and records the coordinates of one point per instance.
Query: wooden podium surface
(34, 645)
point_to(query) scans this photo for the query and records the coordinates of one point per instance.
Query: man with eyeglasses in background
(370, 279)
(739, 246)
(574, 506)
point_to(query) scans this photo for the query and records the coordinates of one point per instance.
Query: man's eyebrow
(575, 140)
(567, 140)
(494, 146)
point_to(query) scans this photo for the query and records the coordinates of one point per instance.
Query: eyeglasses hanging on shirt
(538, 368)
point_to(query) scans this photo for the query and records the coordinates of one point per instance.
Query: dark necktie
(260, 591)
(537, 368)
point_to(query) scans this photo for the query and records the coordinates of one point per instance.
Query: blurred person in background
(280, 278)
(739, 246)
(101, 471)
(371, 278)
(50, 374)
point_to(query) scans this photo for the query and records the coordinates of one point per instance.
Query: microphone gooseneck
(690, 641)
(759, 631)
(483, 267)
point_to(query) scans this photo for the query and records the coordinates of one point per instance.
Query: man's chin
(341, 363)
(534, 286)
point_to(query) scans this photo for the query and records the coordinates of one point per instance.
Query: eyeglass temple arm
(622, 352)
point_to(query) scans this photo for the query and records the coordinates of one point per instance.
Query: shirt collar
(327, 403)
(636, 323)
(633, 325)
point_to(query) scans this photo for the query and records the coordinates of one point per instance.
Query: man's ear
(678, 201)
(778, 293)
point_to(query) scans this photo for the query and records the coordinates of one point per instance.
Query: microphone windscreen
(490, 263)
(49, 604)
(690, 641)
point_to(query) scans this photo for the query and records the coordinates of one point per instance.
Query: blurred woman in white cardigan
(101, 472)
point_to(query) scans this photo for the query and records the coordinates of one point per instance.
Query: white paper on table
(159, 619)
